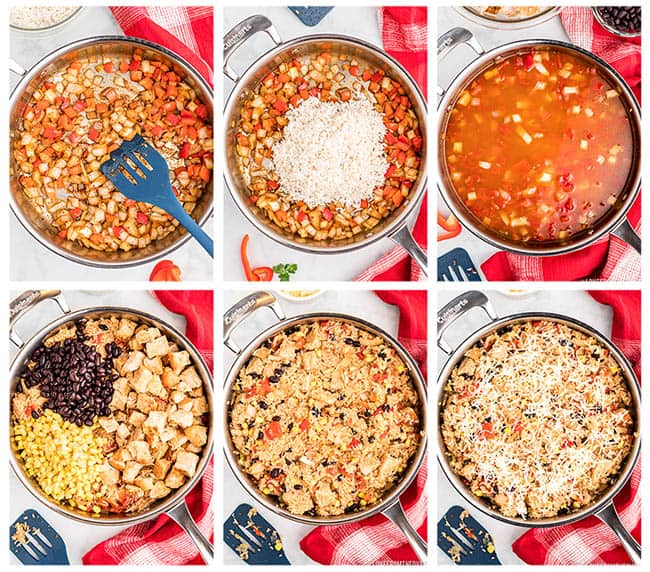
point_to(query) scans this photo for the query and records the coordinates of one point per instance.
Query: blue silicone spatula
(464, 540)
(34, 541)
(253, 538)
(141, 173)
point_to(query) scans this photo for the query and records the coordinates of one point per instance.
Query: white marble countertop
(575, 304)
(362, 304)
(448, 18)
(29, 260)
(360, 22)
(78, 537)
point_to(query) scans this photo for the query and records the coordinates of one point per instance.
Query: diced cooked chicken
(178, 440)
(131, 472)
(145, 483)
(199, 406)
(159, 490)
(122, 434)
(109, 475)
(144, 335)
(155, 387)
(169, 378)
(133, 362)
(181, 418)
(131, 400)
(197, 434)
(141, 379)
(186, 404)
(126, 328)
(156, 421)
(146, 403)
(119, 459)
(119, 400)
(177, 396)
(141, 452)
(190, 379)
(157, 347)
(154, 365)
(108, 424)
(186, 463)
(179, 361)
(174, 479)
(137, 418)
(161, 468)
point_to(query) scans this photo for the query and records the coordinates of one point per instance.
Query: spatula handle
(194, 229)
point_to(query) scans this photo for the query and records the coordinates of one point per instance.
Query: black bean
(260, 435)
(275, 473)
(35, 414)
(278, 371)
(276, 418)
(103, 327)
(290, 426)
(274, 379)
(315, 411)
(371, 439)
(263, 405)
(297, 487)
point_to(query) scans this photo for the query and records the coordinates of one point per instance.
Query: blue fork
(141, 174)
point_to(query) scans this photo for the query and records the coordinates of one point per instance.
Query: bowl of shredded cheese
(299, 294)
(41, 18)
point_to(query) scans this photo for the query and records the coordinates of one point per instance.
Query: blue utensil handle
(202, 237)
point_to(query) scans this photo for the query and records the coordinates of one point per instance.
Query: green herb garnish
(284, 271)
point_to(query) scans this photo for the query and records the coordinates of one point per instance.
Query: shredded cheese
(537, 419)
(331, 152)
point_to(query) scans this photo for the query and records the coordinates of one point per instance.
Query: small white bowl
(299, 294)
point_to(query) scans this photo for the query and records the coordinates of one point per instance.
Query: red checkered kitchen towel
(161, 541)
(187, 31)
(609, 258)
(404, 35)
(589, 541)
(376, 540)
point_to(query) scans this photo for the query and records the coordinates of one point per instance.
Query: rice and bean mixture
(109, 416)
(78, 116)
(324, 418)
(328, 147)
(536, 419)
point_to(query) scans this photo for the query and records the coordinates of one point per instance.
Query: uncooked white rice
(38, 17)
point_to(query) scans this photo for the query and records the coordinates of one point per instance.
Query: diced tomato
(109, 67)
(134, 65)
(93, 134)
(117, 230)
(314, 92)
(172, 119)
(142, 218)
(327, 214)
(156, 130)
(354, 443)
(379, 377)
(390, 139)
(302, 215)
(529, 62)
(273, 431)
(201, 111)
(204, 174)
(391, 169)
(75, 213)
(354, 70)
(50, 133)
(272, 185)
(364, 204)
(74, 137)
(80, 105)
(517, 427)
(487, 431)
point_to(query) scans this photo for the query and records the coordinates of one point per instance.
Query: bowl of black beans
(623, 21)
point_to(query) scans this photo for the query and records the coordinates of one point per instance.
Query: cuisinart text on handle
(237, 312)
(453, 310)
(238, 35)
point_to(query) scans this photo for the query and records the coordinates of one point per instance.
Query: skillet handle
(456, 308)
(609, 516)
(25, 302)
(240, 34)
(452, 38)
(183, 518)
(16, 68)
(405, 239)
(244, 308)
(396, 514)
(627, 234)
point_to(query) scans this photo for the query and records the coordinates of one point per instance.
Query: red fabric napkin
(404, 35)
(589, 541)
(609, 258)
(376, 540)
(161, 541)
(187, 31)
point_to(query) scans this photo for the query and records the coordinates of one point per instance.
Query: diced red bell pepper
(75, 213)
(354, 70)
(201, 111)
(391, 169)
(134, 65)
(354, 443)
(364, 204)
(109, 67)
(487, 431)
(272, 185)
(142, 218)
(156, 130)
(117, 230)
(172, 119)
(185, 151)
(93, 134)
(280, 105)
(327, 214)
(304, 425)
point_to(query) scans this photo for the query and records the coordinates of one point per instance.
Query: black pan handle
(610, 517)
(627, 234)
(459, 306)
(244, 308)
